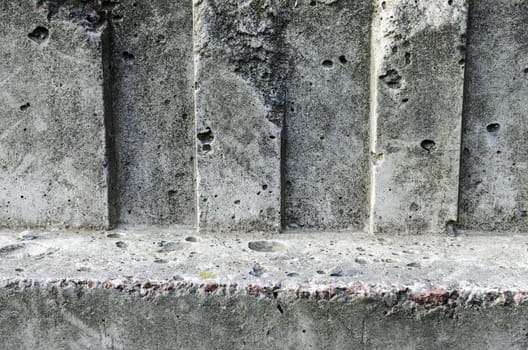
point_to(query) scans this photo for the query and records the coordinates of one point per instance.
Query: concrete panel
(327, 121)
(153, 103)
(494, 173)
(53, 167)
(416, 116)
(239, 113)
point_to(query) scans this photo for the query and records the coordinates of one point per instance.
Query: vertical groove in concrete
(153, 104)
(376, 59)
(195, 40)
(327, 149)
(494, 173)
(418, 113)
(239, 114)
(109, 117)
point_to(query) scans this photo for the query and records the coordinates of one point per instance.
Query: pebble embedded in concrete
(28, 235)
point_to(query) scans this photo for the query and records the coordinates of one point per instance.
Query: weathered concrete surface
(418, 85)
(494, 176)
(53, 149)
(123, 290)
(239, 114)
(327, 121)
(77, 317)
(280, 92)
(153, 104)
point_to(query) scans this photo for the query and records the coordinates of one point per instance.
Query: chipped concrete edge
(419, 296)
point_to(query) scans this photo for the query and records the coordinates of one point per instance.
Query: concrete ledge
(171, 289)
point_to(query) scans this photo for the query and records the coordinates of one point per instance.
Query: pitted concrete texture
(494, 179)
(172, 289)
(154, 108)
(326, 179)
(264, 115)
(239, 117)
(53, 148)
(418, 84)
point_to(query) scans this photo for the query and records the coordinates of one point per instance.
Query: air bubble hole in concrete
(327, 63)
(428, 145)
(39, 35)
(127, 56)
(392, 79)
(493, 127)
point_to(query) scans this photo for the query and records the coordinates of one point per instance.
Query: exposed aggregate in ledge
(394, 298)
(462, 271)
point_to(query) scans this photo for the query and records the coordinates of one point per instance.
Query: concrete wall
(46, 316)
(264, 115)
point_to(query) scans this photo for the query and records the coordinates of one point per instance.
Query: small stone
(82, 268)
(28, 235)
(414, 264)
(336, 271)
(362, 261)
(146, 284)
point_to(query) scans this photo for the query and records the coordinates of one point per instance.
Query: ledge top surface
(309, 261)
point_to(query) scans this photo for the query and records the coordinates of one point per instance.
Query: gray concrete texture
(494, 186)
(238, 115)
(265, 115)
(326, 179)
(417, 114)
(77, 317)
(53, 144)
(153, 109)
(174, 290)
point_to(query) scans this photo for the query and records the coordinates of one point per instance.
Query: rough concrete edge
(421, 297)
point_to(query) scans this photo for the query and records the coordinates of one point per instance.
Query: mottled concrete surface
(154, 111)
(418, 85)
(494, 179)
(326, 159)
(53, 148)
(239, 117)
(293, 100)
(172, 289)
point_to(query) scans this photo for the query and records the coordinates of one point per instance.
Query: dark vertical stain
(111, 163)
